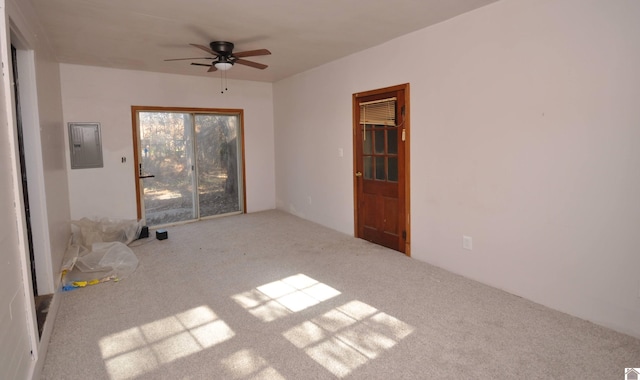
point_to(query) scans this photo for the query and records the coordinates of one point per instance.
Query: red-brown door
(380, 162)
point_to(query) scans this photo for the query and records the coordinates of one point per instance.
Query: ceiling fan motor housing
(222, 47)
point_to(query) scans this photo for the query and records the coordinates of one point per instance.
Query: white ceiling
(301, 34)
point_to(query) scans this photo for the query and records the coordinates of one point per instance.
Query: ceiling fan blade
(251, 53)
(251, 63)
(186, 59)
(202, 47)
(211, 67)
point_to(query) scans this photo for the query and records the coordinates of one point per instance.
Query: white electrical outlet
(309, 200)
(467, 242)
(340, 152)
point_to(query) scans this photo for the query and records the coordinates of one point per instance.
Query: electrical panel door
(85, 145)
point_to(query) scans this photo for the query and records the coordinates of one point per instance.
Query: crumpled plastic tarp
(98, 252)
(86, 231)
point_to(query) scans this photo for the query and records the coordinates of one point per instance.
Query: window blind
(379, 112)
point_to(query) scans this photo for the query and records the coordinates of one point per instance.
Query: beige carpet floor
(271, 296)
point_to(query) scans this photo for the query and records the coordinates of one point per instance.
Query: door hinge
(403, 134)
(404, 235)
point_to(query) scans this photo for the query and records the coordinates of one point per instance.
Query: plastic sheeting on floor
(98, 252)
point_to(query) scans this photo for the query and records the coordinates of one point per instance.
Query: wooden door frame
(136, 152)
(407, 172)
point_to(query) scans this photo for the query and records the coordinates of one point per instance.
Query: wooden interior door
(381, 167)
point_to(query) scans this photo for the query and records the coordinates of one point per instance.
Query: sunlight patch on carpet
(348, 336)
(283, 297)
(133, 352)
(246, 364)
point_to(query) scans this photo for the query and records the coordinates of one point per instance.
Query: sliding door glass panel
(217, 147)
(166, 167)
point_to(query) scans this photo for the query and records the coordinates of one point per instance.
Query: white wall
(94, 94)
(524, 136)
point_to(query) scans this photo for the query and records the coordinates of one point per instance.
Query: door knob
(358, 174)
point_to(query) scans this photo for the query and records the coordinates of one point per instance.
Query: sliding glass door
(189, 164)
(218, 162)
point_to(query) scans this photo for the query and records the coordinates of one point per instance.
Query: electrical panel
(85, 145)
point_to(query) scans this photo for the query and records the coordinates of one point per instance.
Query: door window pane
(368, 167)
(392, 163)
(368, 141)
(379, 141)
(380, 171)
(392, 141)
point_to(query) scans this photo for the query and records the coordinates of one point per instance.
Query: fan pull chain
(225, 81)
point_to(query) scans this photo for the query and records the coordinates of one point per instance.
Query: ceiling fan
(223, 58)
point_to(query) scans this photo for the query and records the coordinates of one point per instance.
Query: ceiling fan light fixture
(224, 66)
